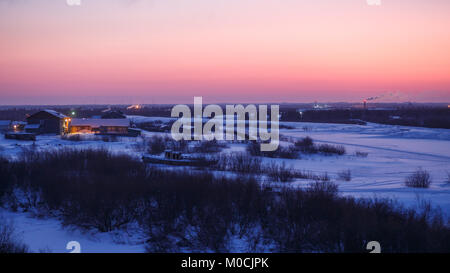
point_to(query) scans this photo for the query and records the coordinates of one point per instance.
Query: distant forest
(420, 115)
(430, 117)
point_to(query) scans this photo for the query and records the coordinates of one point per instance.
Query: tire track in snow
(381, 148)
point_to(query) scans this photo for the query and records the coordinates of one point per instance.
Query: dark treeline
(194, 210)
(432, 117)
(417, 116)
(20, 113)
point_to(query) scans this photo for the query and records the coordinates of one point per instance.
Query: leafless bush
(29, 153)
(329, 149)
(323, 188)
(254, 148)
(179, 146)
(140, 145)
(323, 177)
(306, 145)
(419, 179)
(156, 144)
(311, 176)
(9, 243)
(345, 175)
(361, 154)
(5, 177)
(198, 211)
(90, 188)
(288, 152)
(279, 172)
(238, 162)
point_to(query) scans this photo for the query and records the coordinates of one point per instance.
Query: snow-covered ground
(394, 152)
(47, 235)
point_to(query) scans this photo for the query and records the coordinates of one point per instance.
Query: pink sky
(167, 51)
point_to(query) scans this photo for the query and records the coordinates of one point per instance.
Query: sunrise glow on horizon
(127, 51)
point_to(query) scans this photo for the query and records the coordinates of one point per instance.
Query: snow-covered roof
(32, 126)
(18, 123)
(95, 122)
(5, 122)
(54, 113)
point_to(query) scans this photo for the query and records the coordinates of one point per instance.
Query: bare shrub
(156, 144)
(304, 174)
(311, 176)
(361, 154)
(9, 243)
(324, 188)
(191, 210)
(289, 152)
(179, 146)
(345, 175)
(29, 153)
(279, 172)
(323, 177)
(306, 145)
(329, 149)
(238, 162)
(140, 145)
(244, 163)
(90, 188)
(198, 211)
(419, 179)
(6, 177)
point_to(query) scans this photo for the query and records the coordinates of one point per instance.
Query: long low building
(99, 126)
